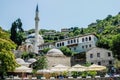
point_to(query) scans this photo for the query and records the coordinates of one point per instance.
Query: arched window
(68, 42)
(82, 39)
(71, 41)
(58, 45)
(62, 43)
(89, 38)
(86, 39)
(74, 41)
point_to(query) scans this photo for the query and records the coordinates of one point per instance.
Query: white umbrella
(23, 69)
(95, 67)
(59, 68)
(44, 71)
(22, 62)
(77, 68)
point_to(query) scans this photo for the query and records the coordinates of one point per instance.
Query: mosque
(35, 39)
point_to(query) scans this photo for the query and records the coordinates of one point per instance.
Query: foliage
(116, 46)
(75, 74)
(87, 64)
(41, 63)
(84, 74)
(7, 58)
(17, 32)
(103, 43)
(26, 55)
(66, 51)
(64, 73)
(45, 50)
(92, 73)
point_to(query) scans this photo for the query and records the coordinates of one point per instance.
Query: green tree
(115, 46)
(41, 63)
(66, 51)
(17, 32)
(77, 32)
(45, 50)
(103, 43)
(7, 58)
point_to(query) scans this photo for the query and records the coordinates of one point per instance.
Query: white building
(100, 56)
(77, 44)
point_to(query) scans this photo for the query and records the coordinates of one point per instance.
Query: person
(61, 77)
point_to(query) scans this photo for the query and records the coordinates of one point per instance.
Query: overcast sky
(56, 14)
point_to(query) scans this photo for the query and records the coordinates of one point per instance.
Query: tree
(103, 43)
(77, 32)
(115, 46)
(81, 31)
(66, 51)
(41, 63)
(17, 32)
(7, 58)
(45, 50)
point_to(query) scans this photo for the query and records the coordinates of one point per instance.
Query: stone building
(100, 56)
(55, 57)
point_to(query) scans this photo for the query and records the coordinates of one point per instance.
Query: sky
(56, 14)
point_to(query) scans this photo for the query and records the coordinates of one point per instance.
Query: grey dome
(55, 53)
(32, 60)
(20, 61)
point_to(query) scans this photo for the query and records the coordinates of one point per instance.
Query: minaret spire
(36, 30)
(37, 8)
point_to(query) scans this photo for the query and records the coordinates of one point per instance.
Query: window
(71, 41)
(98, 54)
(83, 47)
(110, 62)
(89, 38)
(89, 45)
(77, 40)
(82, 39)
(68, 42)
(74, 48)
(91, 55)
(109, 54)
(58, 45)
(99, 63)
(86, 39)
(92, 63)
(86, 46)
(62, 43)
(74, 41)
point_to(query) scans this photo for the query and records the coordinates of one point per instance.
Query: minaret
(36, 30)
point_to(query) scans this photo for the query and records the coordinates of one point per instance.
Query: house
(78, 44)
(100, 56)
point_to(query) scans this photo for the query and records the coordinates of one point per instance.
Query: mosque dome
(20, 61)
(32, 60)
(32, 37)
(55, 53)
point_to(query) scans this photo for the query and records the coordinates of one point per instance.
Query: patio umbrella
(44, 71)
(95, 67)
(59, 68)
(77, 68)
(23, 69)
